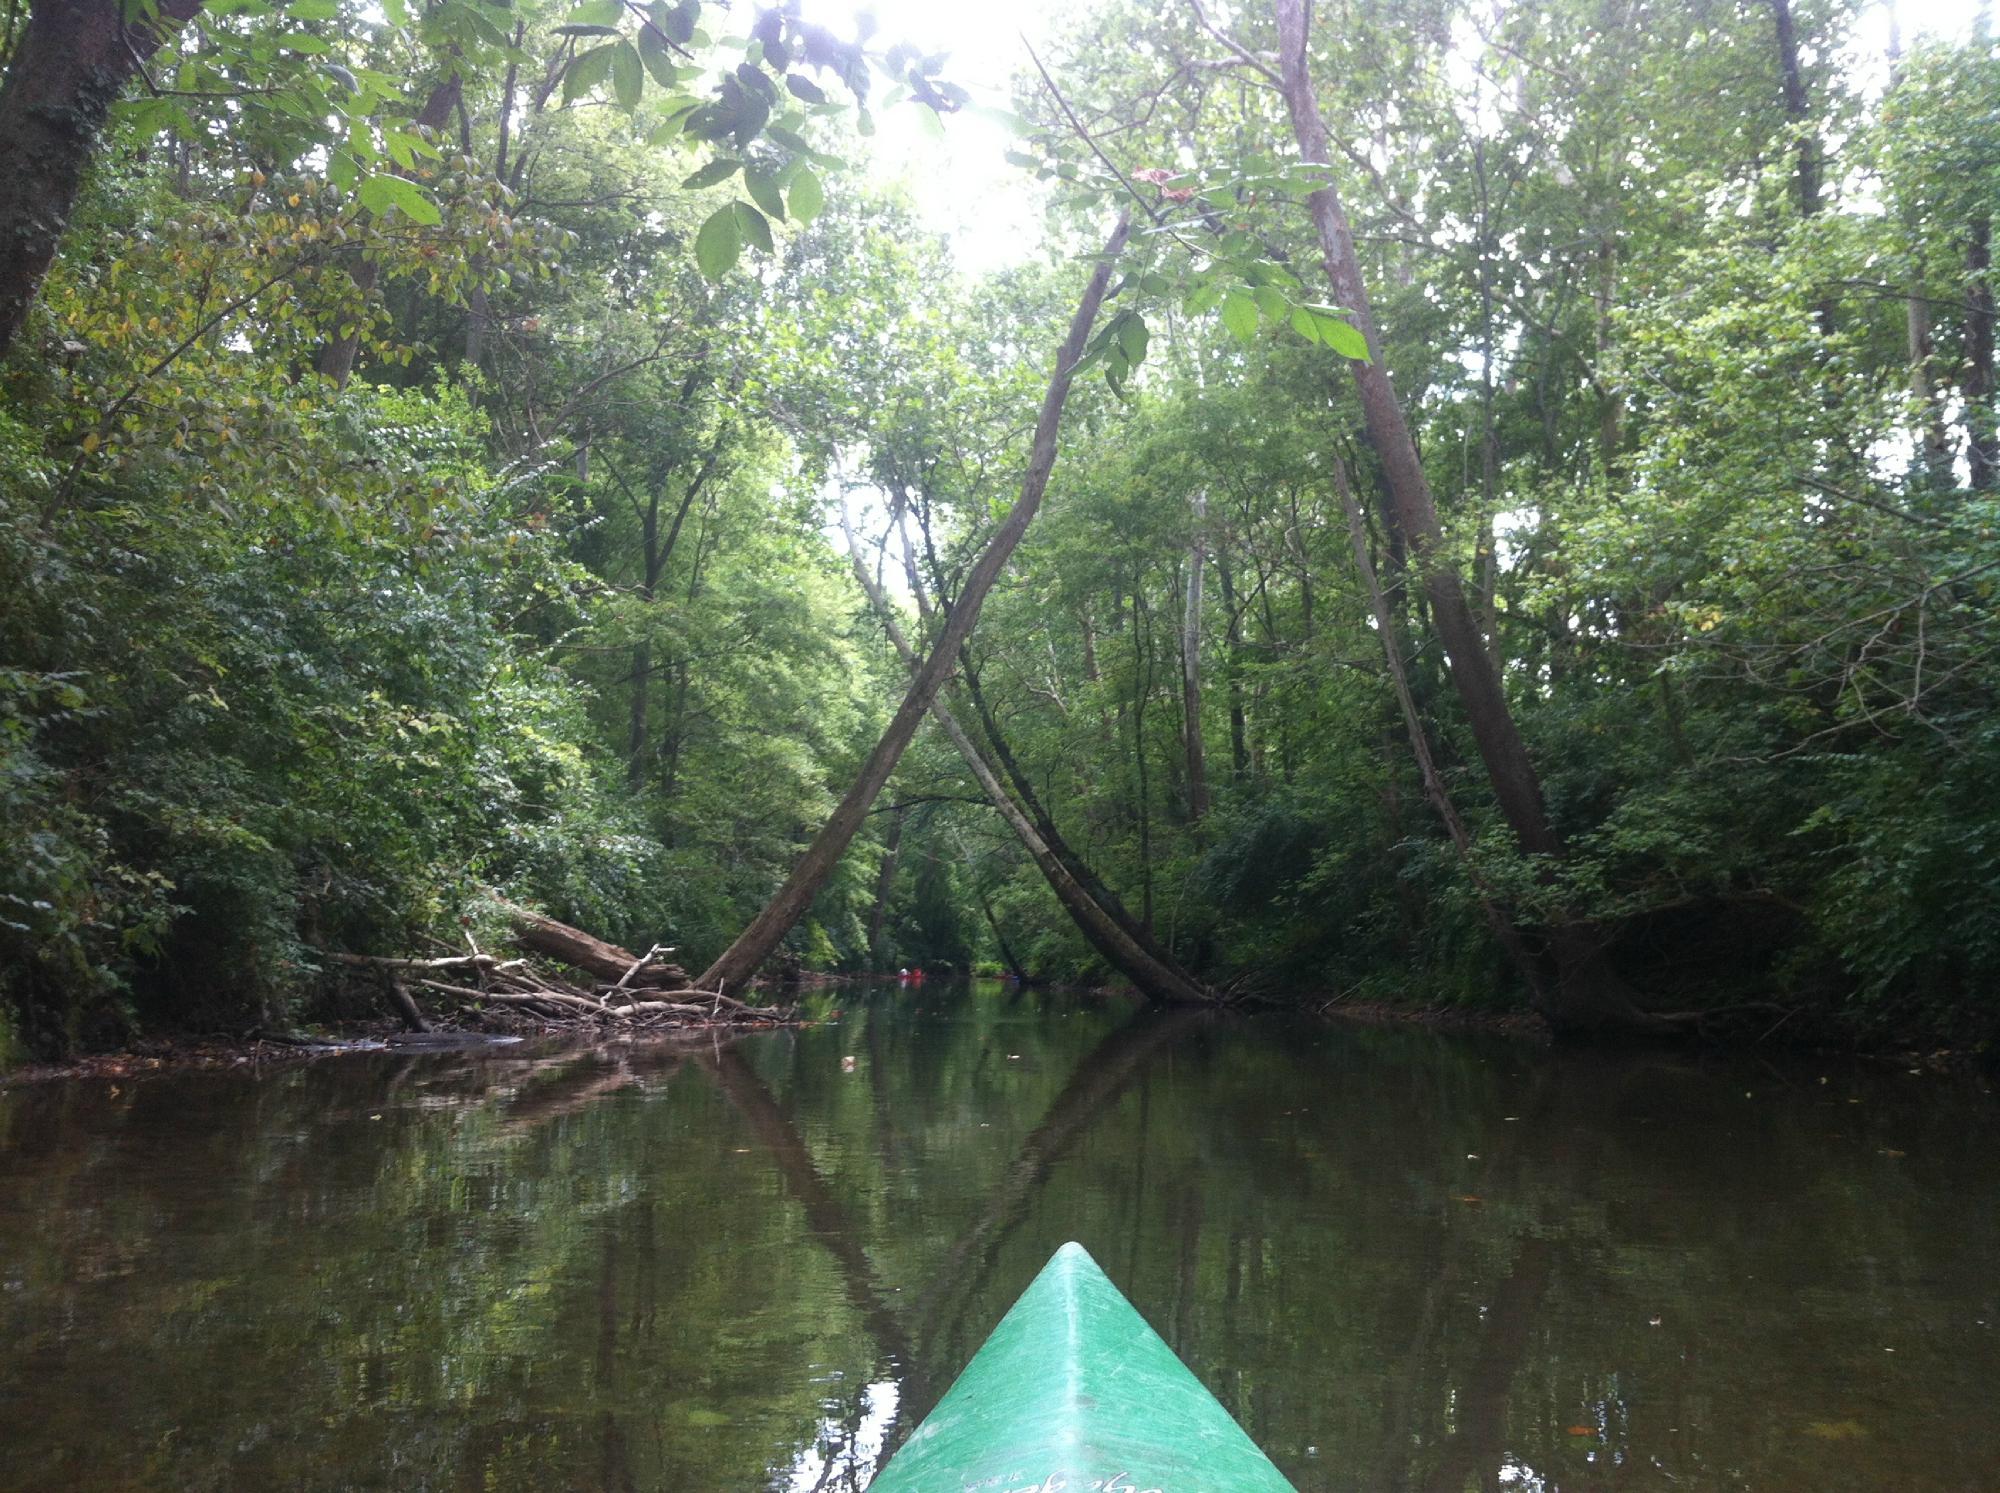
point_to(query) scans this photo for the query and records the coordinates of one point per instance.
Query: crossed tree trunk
(757, 942)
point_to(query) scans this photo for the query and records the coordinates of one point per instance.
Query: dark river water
(1403, 1261)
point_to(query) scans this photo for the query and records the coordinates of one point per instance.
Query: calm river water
(1404, 1262)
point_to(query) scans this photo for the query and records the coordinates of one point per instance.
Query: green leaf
(929, 121)
(1092, 356)
(804, 88)
(313, 10)
(658, 57)
(751, 224)
(1239, 315)
(483, 26)
(1007, 119)
(677, 115)
(628, 76)
(380, 193)
(596, 13)
(1341, 336)
(1133, 337)
(678, 23)
(808, 196)
(719, 169)
(719, 242)
(586, 31)
(763, 191)
(587, 71)
(1117, 367)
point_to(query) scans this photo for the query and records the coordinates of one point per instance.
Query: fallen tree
(623, 989)
(579, 950)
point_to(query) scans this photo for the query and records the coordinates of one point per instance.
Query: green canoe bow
(1074, 1393)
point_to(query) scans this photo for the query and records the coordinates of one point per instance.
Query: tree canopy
(1521, 532)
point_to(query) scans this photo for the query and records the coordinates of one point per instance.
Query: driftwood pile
(605, 984)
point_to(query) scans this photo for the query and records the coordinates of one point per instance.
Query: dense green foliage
(1695, 335)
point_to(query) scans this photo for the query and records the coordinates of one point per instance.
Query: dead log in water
(580, 950)
(624, 989)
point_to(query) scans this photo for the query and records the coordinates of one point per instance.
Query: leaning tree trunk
(1586, 993)
(1007, 955)
(73, 61)
(1098, 915)
(1478, 682)
(1504, 931)
(1197, 760)
(1030, 803)
(756, 943)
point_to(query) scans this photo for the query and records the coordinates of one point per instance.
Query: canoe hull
(1074, 1393)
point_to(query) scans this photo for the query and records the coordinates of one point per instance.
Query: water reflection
(1405, 1263)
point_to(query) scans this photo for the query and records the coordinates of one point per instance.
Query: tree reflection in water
(1403, 1262)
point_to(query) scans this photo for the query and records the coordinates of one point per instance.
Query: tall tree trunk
(1586, 993)
(642, 652)
(73, 61)
(1611, 413)
(654, 553)
(1918, 342)
(1923, 389)
(478, 317)
(885, 884)
(1024, 793)
(1142, 686)
(1982, 422)
(1239, 749)
(677, 732)
(1007, 955)
(1489, 439)
(756, 943)
(642, 677)
(1798, 109)
(1197, 762)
